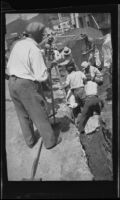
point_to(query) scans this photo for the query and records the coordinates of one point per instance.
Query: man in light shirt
(26, 67)
(94, 72)
(92, 101)
(75, 80)
(64, 58)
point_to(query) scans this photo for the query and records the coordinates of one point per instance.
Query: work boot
(36, 138)
(56, 129)
(37, 134)
(59, 139)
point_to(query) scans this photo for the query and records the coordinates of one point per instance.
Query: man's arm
(98, 78)
(64, 62)
(38, 65)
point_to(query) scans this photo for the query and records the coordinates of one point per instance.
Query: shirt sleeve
(38, 66)
(64, 62)
(98, 73)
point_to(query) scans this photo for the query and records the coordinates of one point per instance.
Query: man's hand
(65, 86)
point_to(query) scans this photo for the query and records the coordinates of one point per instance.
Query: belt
(77, 88)
(14, 76)
(36, 82)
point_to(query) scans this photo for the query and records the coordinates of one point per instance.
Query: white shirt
(26, 61)
(95, 72)
(75, 79)
(91, 88)
(62, 59)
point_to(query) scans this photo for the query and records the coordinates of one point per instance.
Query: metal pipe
(95, 22)
(76, 20)
(60, 21)
(53, 108)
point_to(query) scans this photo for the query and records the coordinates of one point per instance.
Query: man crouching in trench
(26, 67)
(92, 102)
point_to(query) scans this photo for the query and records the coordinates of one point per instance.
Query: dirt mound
(98, 149)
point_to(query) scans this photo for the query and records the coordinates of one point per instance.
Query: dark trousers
(92, 104)
(79, 94)
(30, 108)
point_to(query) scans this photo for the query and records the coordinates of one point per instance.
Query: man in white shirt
(26, 66)
(92, 101)
(64, 58)
(94, 72)
(75, 80)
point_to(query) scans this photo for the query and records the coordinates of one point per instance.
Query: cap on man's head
(25, 34)
(85, 64)
(34, 27)
(66, 51)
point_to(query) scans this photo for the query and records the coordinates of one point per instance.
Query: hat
(34, 27)
(84, 64)
(25, 34)
(66, 51)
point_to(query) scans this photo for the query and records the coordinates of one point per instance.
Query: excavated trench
(98, 145)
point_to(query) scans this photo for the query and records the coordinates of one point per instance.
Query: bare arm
(98, 78)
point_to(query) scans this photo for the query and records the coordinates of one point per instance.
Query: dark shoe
(33, 144)
(57, 142)
(56, 129)
(37, 134)
(36, 138)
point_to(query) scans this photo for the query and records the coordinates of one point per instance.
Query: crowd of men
(27, 67)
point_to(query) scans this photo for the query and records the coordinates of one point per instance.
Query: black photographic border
(62, 189)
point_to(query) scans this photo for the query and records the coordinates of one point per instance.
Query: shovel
(35, 165)
(53, 108)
